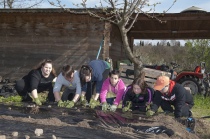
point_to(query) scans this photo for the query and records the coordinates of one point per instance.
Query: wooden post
(107, 30)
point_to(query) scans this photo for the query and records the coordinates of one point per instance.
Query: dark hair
(85, 70)
(43, 62)
(67, 70)
(114, 72)
(140, 82)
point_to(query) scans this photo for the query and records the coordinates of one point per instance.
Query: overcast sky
(179, 6)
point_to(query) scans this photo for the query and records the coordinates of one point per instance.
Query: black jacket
(138, 102)
(35, 80)
(178, 96)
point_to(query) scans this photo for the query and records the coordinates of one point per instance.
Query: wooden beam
(178, 16)
(170, 31)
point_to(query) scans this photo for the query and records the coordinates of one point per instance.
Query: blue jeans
(110, 100)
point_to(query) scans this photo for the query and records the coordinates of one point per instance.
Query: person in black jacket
(171, 93)
(37, 80)
(137, 95)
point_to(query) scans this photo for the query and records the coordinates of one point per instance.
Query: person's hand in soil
(93, 103)
(37, 101)
(127, 107)
(83, 100)
(70, 104)
(60, 103)
(150, 113)
(105, 106)
(113, 108)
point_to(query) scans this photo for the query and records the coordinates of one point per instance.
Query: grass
(201, 107)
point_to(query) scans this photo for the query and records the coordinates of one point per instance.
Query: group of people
(109, 89)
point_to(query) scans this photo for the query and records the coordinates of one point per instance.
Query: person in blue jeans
(91, 78)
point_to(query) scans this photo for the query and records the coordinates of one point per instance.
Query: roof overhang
(178, 26)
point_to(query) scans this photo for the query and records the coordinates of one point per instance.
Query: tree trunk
(137, 71)
(129, 53)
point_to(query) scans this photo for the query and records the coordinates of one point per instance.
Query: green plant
(11, 99)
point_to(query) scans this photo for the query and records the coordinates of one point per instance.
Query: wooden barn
(29, 35)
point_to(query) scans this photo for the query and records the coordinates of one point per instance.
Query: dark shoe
(190, 113)
(190, 123)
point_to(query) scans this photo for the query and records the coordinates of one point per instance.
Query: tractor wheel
(192, 84)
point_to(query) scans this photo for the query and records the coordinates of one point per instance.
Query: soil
(80, 123)
(85, 123)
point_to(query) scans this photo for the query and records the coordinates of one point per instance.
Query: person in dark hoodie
(169, 93)
(137, 95)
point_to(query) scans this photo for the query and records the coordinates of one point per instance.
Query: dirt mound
(87, 123)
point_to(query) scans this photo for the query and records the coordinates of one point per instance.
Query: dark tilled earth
(87, 123)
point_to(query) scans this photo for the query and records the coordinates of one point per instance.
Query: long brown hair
(140, 82)
(84, 71)
(43, 62)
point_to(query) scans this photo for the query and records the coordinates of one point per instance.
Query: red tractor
(191, 79)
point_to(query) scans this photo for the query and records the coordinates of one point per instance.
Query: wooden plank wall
(151, 75)
(116, 49)
(28, 37)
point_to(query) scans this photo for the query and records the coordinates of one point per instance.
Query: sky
(179, 6)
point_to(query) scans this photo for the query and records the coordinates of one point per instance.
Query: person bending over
(168, 94)
(112, 91)
(37, 80)
(91, 77)
(138, 95)
(68, 78)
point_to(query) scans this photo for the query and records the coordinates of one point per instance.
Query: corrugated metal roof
(193, 9)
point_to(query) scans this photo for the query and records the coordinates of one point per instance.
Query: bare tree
(10, 4)
(124, 14)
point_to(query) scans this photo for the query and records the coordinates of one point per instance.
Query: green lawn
(201, 107)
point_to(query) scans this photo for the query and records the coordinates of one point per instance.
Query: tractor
(191, 79)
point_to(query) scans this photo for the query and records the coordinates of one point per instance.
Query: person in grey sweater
(70, 79)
